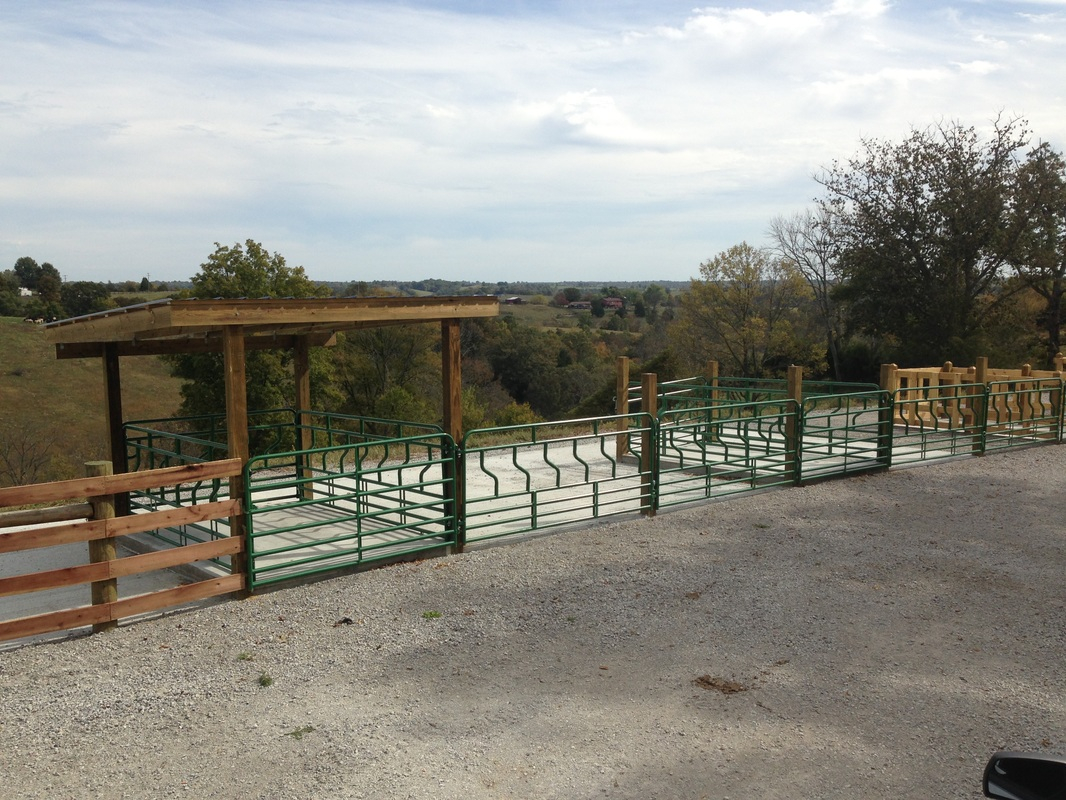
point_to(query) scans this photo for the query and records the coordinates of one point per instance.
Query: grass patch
(265, 679)
(431, 615)
(63, 401)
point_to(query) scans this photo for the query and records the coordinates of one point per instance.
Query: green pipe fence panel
(524, 478)
(721, 450)
(330, 429)
(374, 489)
(936, 422)
(844, 433)
(347, 505)
(1023, 412)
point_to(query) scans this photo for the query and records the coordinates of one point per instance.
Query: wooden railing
(926, 394)
(99, 528)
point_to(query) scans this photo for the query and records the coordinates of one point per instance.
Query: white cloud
(622, 144)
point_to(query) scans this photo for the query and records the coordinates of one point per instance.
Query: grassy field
(62, 402)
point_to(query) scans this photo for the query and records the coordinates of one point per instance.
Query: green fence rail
(844, 433)
(724, 449)
(1022, 413)
(346, 505)
(933, 423)
(530, 477)
(374, 489)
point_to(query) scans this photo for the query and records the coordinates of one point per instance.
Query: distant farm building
(580, 304)
(613, 303)
(513, 301)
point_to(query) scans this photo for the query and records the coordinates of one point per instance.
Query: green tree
(10, 299)
(28, 272)
(84, 297)
(749, 312)
(369, 363)
(923, 230)
(249, 271)
(1040, 259)
(653, 295)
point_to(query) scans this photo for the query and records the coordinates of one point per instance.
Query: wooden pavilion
(233, 327)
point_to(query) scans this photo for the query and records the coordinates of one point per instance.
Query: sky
(517, 140)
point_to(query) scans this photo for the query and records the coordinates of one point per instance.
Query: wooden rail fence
(94, 506)
(926, 394)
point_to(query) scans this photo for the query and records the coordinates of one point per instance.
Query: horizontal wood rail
(97, 527)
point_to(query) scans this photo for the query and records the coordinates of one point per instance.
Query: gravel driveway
(876, 637)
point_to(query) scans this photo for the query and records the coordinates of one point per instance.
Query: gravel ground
(872, 637)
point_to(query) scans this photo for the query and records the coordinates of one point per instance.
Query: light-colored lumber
(119, 526)
(115, 484)
(141, 604)
(43, 516)
(119, 567)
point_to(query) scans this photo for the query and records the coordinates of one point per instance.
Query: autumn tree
(748, 311)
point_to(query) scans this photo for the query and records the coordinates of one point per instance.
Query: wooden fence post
(105, 591)
(649, 404)
(711, 374)
(621, 405)
(792, 427)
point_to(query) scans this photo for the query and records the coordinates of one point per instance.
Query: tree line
(945, 245)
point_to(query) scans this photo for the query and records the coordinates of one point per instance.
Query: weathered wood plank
(168, 319)
(168, 598)
(119, 526)
(53, 621)
(130, 606)
(204, 343)
(115, 484)
(42, 516)
(119, 567)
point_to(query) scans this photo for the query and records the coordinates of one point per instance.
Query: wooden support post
(301, 363)
(792, 423)
(237, 436)
(452, 379)
(105, 591)
(116, 435)
(649, 404)
(621, 405)
(886, 414)
(713, 399)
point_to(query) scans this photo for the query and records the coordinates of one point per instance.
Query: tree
(28, 272)
(653, 295)
(923, 230)
(747, 311)
(26, 453)
(84, 297)
(251, 271)
(1040, 259)
(806, 240)
(369, 363)
(10, 299)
